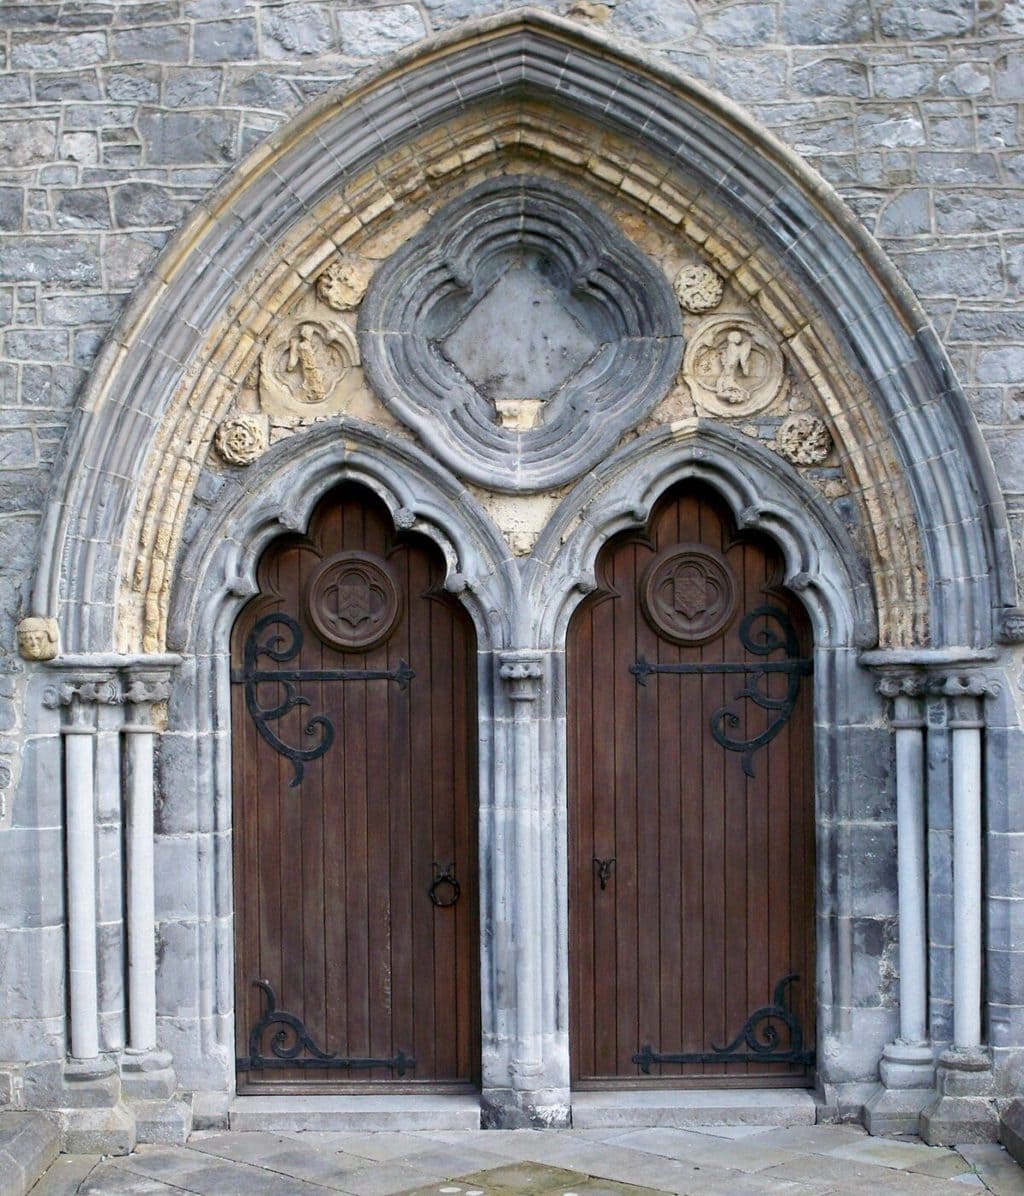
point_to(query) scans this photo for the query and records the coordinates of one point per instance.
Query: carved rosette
(698, 289)
(353, 601)
(804, 440)
(242, 439)
(688, 594)
(733, 367)
(306, 359)
(343, 284)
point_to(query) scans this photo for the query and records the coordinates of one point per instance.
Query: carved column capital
(522, 674)
(71, 694)
(963, 685)
(902, 684)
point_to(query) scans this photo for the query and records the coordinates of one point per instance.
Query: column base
(964, 1110)
(148, 1075)
(90, 1083)
(908, 1085)
(515, 1109)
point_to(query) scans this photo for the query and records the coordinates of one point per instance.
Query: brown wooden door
(353, 724)
(691, 810)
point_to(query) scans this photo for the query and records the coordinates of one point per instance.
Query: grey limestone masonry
(119, 117)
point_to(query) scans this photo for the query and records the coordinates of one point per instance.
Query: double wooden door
(691, 811)
(355, 814)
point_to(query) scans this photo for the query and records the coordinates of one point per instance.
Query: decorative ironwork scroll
(759, 1036)
(763, 643)
(291, 1045)
(281, 648)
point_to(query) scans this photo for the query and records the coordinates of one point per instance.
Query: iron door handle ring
(441, 879)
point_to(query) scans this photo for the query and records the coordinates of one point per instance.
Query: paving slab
(821, 1160)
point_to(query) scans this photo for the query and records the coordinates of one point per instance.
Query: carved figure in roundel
(343, 284)
(305, 361)
(804, 440)
(698, 288)
(688, 594)
(353, 601)
(733, 368)
(242, 439)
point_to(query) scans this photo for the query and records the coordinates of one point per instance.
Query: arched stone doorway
(783, 363)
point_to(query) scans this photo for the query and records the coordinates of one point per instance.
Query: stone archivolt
(377, 212)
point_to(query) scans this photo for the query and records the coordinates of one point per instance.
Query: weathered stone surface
(52, 260)
(366, 34)
(58, 51)
(741, 25)
(821, 21)
(225, 41)
(173, 137)
(297, 29)
(653, 22)
(27, 143)
(152, 43)
(832, 77)
(914, 21)
(145, 205)
(12, 207)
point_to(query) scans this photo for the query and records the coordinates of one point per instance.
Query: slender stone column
(907, 1067)
(531, 1097)
(146, 1071)
(964, 1110)
(78, 698)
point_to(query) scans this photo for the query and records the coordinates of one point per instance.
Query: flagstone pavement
(711, 1161)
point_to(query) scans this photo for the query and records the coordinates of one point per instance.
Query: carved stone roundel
(353, 601)
(520, 334)
(688, 594)
(733, 367)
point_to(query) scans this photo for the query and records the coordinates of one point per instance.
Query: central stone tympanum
(520, 333)
(522, 340)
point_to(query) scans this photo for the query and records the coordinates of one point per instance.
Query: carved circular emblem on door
(353, 600)
(688, 594)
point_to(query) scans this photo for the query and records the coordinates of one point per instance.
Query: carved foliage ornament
(804, 440)
(343, 284)
(688, 594)
(519, 334)
(698, 288)
(241, 439)
(733, 367)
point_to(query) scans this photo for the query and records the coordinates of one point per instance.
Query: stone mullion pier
(146, 1071)
(907, 1067)
(533, 1089)
(964, 1110)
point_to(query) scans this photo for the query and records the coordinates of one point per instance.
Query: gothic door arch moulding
(112, 531)
(146, 550)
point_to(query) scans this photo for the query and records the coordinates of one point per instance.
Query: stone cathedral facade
(512, 522)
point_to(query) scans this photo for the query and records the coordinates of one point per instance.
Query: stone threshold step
(678, 1108)
(337, 1114)
(29, 1143)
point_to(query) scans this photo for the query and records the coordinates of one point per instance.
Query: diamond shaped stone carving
(520, 333)
(521, 341)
